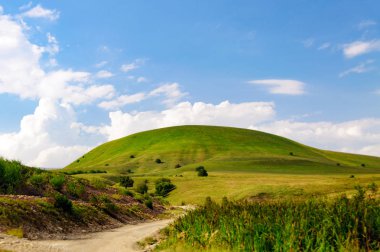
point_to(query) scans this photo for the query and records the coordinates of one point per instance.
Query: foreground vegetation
(36, 203)
(342, 224)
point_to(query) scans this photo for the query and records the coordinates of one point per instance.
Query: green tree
(126, 181)
(164, 186)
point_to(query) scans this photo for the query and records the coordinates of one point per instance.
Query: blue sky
(78, 73)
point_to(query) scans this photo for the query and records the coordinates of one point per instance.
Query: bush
(126, 182)
(291, 153)
(62, 202)
(142, 187)
(177, 166)
(201, 171)
(75, 189)
(132, 156)
(363, 165)
(148, 203)
(57, 182)
(158, 161)
(164, 186)
(37, 180)
(11, 175)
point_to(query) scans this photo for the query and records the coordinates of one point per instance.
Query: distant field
(193, 190)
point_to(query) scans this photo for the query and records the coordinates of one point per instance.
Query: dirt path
(119, 239)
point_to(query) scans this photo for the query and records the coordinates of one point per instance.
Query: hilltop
(220, 149)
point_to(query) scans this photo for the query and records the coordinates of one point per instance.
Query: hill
(220, 149)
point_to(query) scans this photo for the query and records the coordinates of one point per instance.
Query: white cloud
(365, 24)
(324, 46)
(47, 138)
(132, 66)
(281, 86)
(122, 101)
(128, 67)
(357, 48)
(142, 79)
(308, 42)
(361, 68)
(103, 74)
(40, 12)
(101, 64)
(358, 136)
(171, 91)
(225, 113)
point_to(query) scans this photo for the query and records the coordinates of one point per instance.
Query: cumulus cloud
(361, 68)
(40, 12)
(357, 48)
(47, 137)
(357, 136)
(225, 113)
(281, 86)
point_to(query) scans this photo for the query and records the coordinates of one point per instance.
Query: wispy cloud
(309, 42)
(357, 48)
(132, 66)
(103, 74)
(40, 12)
(365, 24)
(281, 86)
(122, 101)
(324, 46)
(361, 68)
(101, 64)
(171, 91)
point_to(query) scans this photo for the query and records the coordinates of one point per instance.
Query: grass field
(340, 224)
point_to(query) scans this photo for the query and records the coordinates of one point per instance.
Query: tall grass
(313, 225)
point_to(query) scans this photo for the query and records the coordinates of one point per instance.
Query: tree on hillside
(126, 181)
(164, 186)
(201, 171)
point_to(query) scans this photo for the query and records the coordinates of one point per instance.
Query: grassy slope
(240, 162)
(220, 149)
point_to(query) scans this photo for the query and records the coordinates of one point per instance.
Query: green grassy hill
(219, 149)
(241, 163)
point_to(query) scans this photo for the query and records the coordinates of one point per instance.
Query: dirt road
(120, 239)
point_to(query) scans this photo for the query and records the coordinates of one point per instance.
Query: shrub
(177, 166)
(37, 180)
(126, 182)
(132, 156)
(57, 182)
(363, 165)
(164, 186)
(291, 153)
(148, 203)
(62, 202)
(201, 171)
(158, 161)
(352, 176)
(12, 178)
(75, 189)
(337, 164)
(142, 187)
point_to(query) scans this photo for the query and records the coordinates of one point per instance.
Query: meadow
(339, 224)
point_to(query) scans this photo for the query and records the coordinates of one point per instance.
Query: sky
(75, 74)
